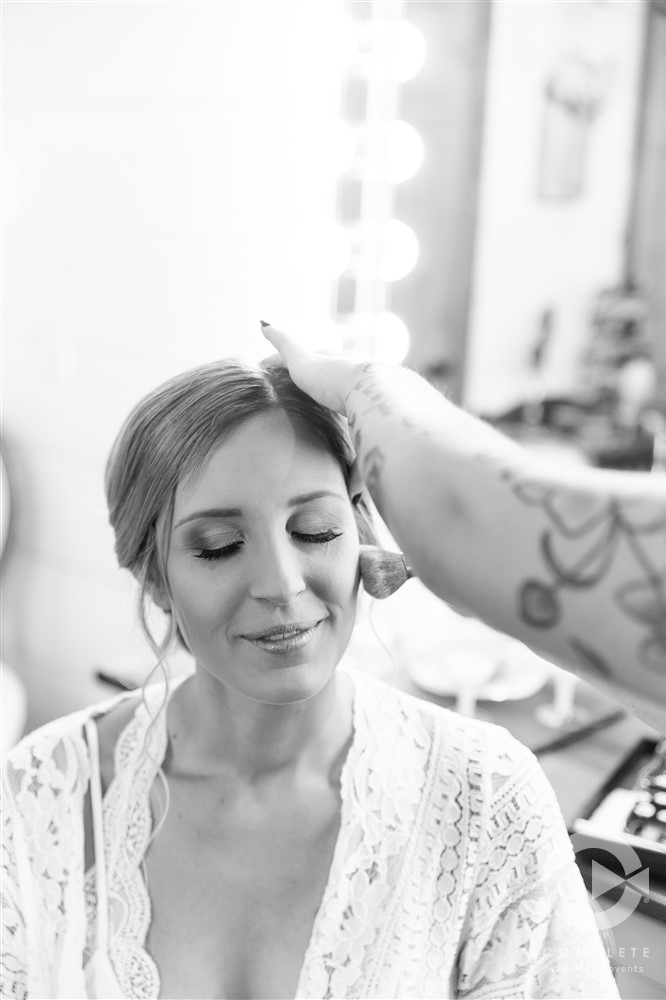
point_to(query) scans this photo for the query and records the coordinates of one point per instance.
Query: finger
(288, 346)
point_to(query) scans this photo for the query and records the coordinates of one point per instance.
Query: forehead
(265, 459)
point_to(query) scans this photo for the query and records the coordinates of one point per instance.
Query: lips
(285, 643)
(282, 631)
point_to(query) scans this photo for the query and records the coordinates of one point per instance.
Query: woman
(323, 835)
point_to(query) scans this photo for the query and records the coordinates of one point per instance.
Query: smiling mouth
(285, 638)
(281, 631)
(277, 636)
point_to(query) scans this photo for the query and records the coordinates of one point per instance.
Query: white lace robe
(452, 875)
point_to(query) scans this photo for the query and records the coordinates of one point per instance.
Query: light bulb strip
(377, 193)
(371, 289)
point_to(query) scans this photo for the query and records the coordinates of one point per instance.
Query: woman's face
(263, 562)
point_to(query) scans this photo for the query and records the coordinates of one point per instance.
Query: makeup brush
(382, 572)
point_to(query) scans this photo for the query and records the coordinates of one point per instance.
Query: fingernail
(264, 323)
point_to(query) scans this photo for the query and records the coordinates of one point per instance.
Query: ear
(356, 483)
(158, 596)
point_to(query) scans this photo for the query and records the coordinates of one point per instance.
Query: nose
(276, 573)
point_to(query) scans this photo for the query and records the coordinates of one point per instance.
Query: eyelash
(228, 550)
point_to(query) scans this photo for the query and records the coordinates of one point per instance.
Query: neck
(218, 732)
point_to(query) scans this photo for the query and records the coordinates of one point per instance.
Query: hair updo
(170, 434)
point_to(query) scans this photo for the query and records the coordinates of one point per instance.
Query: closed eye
(225, 551)
(318, 539)
(221, 553)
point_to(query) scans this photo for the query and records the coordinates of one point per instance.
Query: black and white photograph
(333, 499)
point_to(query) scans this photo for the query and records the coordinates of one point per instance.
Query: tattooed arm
(570, 561)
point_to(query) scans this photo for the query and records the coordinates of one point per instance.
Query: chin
(291, 683)
(302, 683)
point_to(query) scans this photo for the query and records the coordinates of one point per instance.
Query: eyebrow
(222, 512)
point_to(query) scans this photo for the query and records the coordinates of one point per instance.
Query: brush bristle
(382, 572)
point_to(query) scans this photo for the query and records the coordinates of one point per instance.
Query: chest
(234, 894)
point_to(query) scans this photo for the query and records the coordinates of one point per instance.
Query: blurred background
(475, 189)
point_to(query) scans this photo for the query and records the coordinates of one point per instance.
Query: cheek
(203, 599)
(336, 577)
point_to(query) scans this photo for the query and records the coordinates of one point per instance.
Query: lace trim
(382, 787)
(127, 821)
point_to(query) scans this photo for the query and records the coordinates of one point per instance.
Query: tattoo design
(600, 531)
(367, 386)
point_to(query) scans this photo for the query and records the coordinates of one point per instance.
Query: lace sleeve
(43, 782)
(13, 965)
(530, 931)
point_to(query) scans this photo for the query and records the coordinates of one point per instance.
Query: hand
(328, 378)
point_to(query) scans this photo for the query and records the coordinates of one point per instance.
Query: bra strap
(102, 935)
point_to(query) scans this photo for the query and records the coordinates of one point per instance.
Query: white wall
(164, 188)
(534, 254)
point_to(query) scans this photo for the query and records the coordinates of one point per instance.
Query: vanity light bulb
(404, 151)
(399, 250)
(397, 49)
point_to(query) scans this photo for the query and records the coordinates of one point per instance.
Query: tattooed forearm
(591, 661)
(367, 387)
(370, 394)
(600, 528)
